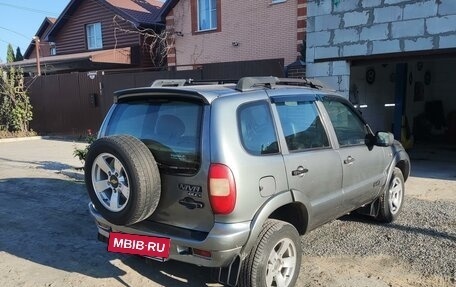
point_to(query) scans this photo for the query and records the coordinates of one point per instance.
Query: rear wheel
(392, 199)
(122, 179)
(275, 259)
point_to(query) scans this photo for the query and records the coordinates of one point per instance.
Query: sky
(20, 20)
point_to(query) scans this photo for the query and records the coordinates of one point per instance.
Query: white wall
(351, 28)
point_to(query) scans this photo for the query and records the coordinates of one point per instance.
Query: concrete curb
(9, 140)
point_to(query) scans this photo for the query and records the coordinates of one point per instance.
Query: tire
(392, 199)
(275, 259)
(122, 179)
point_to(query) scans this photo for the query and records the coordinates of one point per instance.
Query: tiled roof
(140, 12)
(51, 19)
(143, 12)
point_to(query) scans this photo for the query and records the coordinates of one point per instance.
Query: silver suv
(231, 175)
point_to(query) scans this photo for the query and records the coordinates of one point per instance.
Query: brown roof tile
(142, 11)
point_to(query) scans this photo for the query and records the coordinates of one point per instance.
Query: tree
(19, 56)
(15, 108)
(10, 54)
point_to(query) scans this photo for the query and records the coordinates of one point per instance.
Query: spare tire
(122, 179)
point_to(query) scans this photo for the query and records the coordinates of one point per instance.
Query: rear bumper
(225, 241)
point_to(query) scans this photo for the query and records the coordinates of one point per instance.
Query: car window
(349, 128)
(301, 125)
(170, 129)
(257, 128)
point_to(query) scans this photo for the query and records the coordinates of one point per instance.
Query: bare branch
(157, 44)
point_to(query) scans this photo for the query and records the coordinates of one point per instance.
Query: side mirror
(384, 139)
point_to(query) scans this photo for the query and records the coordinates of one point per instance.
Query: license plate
(139, 244)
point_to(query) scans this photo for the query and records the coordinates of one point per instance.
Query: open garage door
(415, 99)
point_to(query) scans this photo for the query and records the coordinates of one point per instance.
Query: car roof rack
(249, 83)
(211, 82)
(189, 82)
(169, 83)
(244, 84)
(300, 82)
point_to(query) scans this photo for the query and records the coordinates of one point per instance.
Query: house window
(207, 15)
(94, 38)
(53, 51)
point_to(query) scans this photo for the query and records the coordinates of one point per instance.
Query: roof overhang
(78, 62)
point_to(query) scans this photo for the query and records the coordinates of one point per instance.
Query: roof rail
(301, 81)
(169, 83)
(211, 82)
(244, 84)
(183, 82)
(248, 83)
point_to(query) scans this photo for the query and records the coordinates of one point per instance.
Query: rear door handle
(349, 160)
(299, 171)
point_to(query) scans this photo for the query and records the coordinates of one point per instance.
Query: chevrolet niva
(230, 176)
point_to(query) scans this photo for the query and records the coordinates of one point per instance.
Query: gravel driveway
(47, 237)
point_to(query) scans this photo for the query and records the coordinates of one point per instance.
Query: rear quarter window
(256, 128)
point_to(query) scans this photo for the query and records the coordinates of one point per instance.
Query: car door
(363, 166)
(313, 167)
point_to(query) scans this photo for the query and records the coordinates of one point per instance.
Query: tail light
(222, 189)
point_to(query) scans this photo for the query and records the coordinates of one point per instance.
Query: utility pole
(37, 47)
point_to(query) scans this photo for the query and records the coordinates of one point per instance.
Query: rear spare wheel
(122, 179)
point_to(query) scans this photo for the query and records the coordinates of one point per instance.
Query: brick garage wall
(365, 28)
(262, 29)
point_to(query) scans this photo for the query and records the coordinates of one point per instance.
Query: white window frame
(211, 14)
(53, 51)
(94, 36)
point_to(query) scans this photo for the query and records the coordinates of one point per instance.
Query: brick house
(214, 31)
(92, 34)
(394, 58)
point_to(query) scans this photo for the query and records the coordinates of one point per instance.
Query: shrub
(15, 108)
(81, 153)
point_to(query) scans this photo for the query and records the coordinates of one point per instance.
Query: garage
(416, 100)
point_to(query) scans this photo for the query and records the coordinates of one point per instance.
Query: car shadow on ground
(171, 273)
(46, 221)
(46, 165)
(356, 217)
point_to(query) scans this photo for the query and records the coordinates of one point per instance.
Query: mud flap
(228, 275)
(371, 209)
(102, 238)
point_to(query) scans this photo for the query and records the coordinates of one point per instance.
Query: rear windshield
(170, 129)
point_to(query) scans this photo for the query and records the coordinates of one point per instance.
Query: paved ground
(47, 237)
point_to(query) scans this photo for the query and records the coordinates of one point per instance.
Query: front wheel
(275, 259)
(392, 199)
